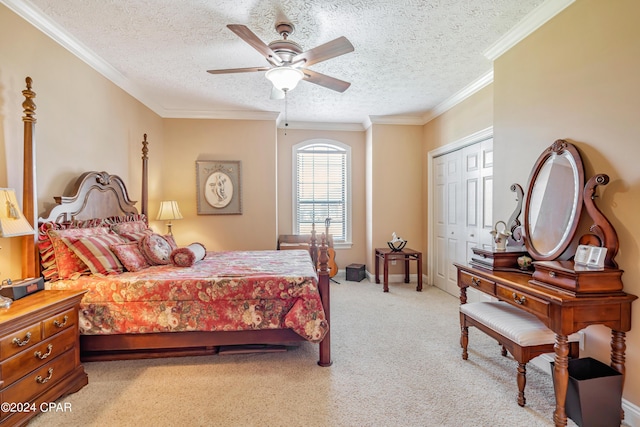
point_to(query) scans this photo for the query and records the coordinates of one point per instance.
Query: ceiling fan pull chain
(286, 121)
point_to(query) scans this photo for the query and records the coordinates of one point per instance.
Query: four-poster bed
(296, 309)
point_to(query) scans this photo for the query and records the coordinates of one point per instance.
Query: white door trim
(474, 138)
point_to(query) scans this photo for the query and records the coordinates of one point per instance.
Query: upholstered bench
(519, 332)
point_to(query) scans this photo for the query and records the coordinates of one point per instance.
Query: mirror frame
(559, 147)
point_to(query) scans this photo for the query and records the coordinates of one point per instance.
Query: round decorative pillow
(155, 249)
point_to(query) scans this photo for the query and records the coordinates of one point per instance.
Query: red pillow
(130, 256)
(96, 253)
(132, 230)
(67, 263)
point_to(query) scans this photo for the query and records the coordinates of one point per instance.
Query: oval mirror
(554, 201)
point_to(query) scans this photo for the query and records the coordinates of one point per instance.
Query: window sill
(342, 245)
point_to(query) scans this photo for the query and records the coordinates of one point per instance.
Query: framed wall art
(219, 187)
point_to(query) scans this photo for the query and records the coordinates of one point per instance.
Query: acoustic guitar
(331, 264)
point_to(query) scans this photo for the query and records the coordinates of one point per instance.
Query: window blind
(321, 189)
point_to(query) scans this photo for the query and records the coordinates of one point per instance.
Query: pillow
(187, 256)
(130, 256)
(60, 262)
(95, 252)
(156, 249)
(132, 230)
(172, 242)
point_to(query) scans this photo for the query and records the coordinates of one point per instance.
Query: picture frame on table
(219, 187)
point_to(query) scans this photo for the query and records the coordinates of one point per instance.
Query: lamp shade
(12, 221)
(284, 78)
(169, 210)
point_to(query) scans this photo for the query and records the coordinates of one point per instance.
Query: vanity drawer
(529, 303)
(60, 322)
(476, 282)
(15, 342)
(21, 364)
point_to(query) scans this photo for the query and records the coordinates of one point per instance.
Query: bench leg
(464, 341)
(522, 381)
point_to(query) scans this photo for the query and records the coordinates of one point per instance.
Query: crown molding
(220, 114)
(481, 82)
(392, 120)
(534, 20)
(350, 127)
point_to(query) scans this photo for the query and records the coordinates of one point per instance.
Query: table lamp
(169, 211)
(12, 224)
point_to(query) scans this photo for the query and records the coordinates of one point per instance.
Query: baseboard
(397, 278)
(631, 411)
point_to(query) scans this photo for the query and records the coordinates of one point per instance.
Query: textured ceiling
(410, 55)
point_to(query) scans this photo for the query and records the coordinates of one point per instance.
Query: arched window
(322, 188)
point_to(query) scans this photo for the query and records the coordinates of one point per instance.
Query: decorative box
(355, 272)
(22, 288)
(494, 260)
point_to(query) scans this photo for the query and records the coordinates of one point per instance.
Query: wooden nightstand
(39, 353)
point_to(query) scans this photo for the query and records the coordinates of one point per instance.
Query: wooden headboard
(95, 195)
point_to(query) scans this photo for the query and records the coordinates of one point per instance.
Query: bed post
(323, 287)
(30, 266)
(313, 246)
(145, 178)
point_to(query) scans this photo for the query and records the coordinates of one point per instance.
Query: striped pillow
(95, 252)
(133, 230)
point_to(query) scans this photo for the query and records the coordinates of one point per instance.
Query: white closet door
(462, 212)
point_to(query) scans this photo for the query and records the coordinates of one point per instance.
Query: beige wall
(251, 142)
(577, 78)
(354, 139)
(84, 122)
(395, 189)
(472, 115)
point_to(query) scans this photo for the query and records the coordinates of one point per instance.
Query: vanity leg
(522, 382)
(618, 348)
(463, 295)
(464, 340)
(561, 378)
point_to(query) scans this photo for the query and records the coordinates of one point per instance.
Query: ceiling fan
(288, 61)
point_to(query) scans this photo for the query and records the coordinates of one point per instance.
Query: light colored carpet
(397, 362)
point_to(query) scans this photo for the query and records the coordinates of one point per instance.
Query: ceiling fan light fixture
(284, 78)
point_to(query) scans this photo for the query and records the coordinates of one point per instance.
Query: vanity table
(565, 296)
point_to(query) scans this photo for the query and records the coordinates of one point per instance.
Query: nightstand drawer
(531, 304)
(60, 322)
(41, 379)
(15, 342)
(21, 364)
(472, 281)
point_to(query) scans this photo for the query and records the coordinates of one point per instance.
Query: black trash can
(594, 394)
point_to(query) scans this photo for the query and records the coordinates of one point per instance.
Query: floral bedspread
(227, 291)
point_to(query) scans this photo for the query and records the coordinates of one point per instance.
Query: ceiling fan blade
(326, 81)
(248, 36)
(238, 70)
(329, 50)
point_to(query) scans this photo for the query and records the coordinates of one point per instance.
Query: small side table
(407, 255)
